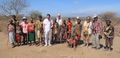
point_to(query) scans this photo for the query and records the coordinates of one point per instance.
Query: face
(11, 21)
(48, 17)
(69, 19)
(88, 20)
(96, 18)
(78, 21)
(25, 20)
(54, 21)
(31, 21)
(13, 17)
(17, 23)
(59, 17)
(64, 21)
(108, 23)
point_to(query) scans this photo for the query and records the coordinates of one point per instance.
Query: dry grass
(56, 51)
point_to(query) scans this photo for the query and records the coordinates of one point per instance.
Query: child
(72, 41)
(109, 35)
(11, 34)
(18, 34)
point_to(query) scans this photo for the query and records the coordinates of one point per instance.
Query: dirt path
(56, 51)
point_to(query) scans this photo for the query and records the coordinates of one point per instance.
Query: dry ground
(56, 51)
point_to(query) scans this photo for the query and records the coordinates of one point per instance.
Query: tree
(10, 7)
(108, 15)
(34, 14)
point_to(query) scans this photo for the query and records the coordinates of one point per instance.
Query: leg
(110, 43)
(11, 38)
(106, 43)
(88, 39)
(85, 39)
(46, 38)
(93, 41)
(24, 38)
(97, 41)
(50, 37)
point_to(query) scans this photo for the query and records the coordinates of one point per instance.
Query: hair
(108, 21)
(69, 18)
(95, 17)
(40, 16)
(48, 15)
(13, 16)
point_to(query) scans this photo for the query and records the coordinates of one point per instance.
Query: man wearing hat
(24, 26)
(96, 30)
(59, 21)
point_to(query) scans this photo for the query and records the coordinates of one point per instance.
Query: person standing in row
(55, 31)
(89, 30)
(69, 28)
(24, 25)
(64, 31)
(11, 33)
(47, 25)
(18, 34)
(109, 35)
(86, 31)
(59, 21)
(78, 29)
(31, 32)
(39, 30)
(97, 29)
(14, 22)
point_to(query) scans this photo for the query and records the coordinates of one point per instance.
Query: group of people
(48, 31)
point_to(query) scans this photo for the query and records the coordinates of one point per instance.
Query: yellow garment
(38, 25)
(85, 26)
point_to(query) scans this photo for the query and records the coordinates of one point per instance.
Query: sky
(74, 7)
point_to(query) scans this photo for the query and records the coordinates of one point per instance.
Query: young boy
(109, 35)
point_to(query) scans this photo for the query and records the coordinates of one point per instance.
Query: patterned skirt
(18, 37)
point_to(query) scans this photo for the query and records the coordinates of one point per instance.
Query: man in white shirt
(47, 25)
